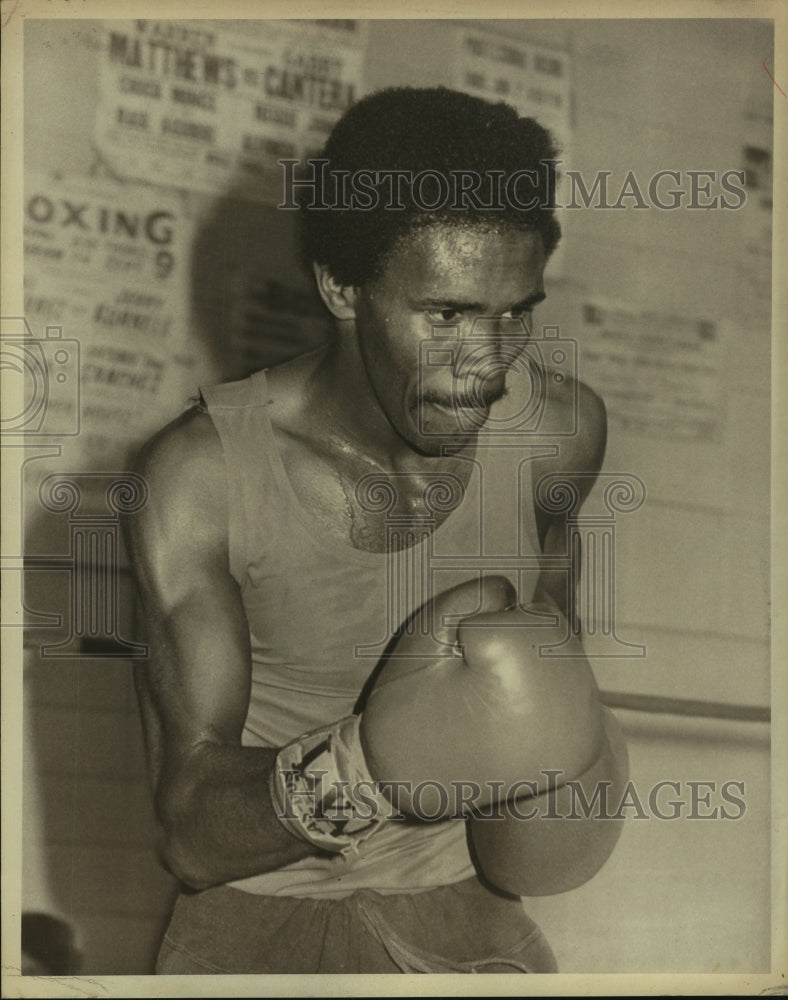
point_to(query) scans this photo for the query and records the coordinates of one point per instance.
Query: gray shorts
(455, 928)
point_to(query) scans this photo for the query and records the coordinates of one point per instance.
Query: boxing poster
(106, 288)
(201, 105)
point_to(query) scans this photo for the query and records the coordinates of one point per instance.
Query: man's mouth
(487, 394)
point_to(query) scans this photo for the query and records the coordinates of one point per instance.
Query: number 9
(164, 263)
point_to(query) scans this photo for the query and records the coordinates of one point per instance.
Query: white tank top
(320, 613)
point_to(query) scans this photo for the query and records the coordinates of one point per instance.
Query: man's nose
(493, 341)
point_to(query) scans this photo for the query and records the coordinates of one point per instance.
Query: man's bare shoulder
(575, 418)
(185, 451)
(184, 469)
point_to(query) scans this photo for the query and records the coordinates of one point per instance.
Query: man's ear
(340, 300)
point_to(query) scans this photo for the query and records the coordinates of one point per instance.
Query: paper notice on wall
(213, 105)
(107, 266)
(756, 216)
(659, 374)
(532, 78)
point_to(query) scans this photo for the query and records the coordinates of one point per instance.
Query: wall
(692, 583)
(685, 890)
(680, 97)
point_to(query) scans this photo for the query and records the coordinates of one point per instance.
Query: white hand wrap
(323, 792)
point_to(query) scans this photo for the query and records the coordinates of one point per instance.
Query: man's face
(436, 283)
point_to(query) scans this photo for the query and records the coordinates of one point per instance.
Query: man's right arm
(213, 807)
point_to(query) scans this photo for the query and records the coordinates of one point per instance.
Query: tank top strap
(238, 412)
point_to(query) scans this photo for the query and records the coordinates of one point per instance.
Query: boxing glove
(558, 840)
(321, 786)
(462, 712)
(466, 710)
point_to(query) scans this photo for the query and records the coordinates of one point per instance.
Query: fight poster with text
(213, 105)
(106, 285)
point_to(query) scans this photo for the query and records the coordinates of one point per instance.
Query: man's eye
(523, 313)
(445, 315)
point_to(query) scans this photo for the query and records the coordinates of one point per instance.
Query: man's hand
(559, 839)
(522, 850)
(461, 712)
(466, 708)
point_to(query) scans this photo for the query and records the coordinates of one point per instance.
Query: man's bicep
(195, 686)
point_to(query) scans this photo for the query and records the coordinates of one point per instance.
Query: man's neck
(348, 415)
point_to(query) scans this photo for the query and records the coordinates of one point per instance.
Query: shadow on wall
(88, 815)
(252, 302)
(48, 946)
(89, 840)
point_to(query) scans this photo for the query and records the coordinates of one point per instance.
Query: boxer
(326, 812)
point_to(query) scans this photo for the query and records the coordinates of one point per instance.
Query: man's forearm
(217, 820)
